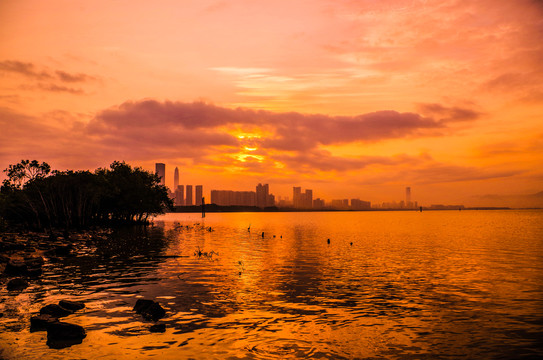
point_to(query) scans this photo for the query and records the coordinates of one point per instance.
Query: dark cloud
(286, 131)
(449, 114)
(71, 78)
(23, 68)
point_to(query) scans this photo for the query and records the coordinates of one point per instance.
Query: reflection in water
(411, 285)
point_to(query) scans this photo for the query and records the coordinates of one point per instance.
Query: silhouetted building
(340, 204)
(175, 178)
(296, 197)
(357, 204)
(262, 194)
(318, 203)
(179, 195)
(160, 170)
(231, 198)
(188, 198)
(198, 194)
(408, 197)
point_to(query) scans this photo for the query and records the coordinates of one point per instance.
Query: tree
(25, 171)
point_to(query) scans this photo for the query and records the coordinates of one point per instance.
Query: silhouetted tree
(79, 199)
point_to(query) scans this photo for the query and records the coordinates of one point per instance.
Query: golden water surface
(389, 285)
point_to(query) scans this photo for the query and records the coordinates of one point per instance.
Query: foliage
(35, 197)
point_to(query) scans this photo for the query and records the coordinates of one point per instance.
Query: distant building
(188, 198)
(318, 203)
(198, 195)
(357, 204)
(340, 204)
(408, 197)
(302, 200)
(175, 178)
(296, 197)
(179, 196)
(262, 194)
(233, 198)
(160, 170)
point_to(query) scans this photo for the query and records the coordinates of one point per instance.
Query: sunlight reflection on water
(412, 285)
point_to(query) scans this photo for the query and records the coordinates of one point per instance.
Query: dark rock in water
(34, 261)
(17, 284)
(141, 305)
(63, 250)
(34, 272)
(41, 322)
(149, 309)
(158, 328)
(61, 335)
(71, 305)
(16, 267)
(55, 310)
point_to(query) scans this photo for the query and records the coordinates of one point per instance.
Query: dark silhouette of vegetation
(34, 196)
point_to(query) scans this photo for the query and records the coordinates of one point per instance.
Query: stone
(71, 305)
(17, 284)
(41, 321)
(55, 310)
(34, 261)
(149, 309)
(158, 328)
(16, 268)
(61, 335)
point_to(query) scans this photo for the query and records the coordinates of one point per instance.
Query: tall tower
(198, 195)
(175, 178)
(160, 170)
(296, 196)
(262, 194)
(188, 198)
(180, 195)
(408, 197)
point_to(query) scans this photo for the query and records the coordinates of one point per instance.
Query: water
(431, 285)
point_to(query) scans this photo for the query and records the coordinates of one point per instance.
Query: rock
(71, 305)
(17, 284)
(149, 309)
(63, 250)
(55, 310)
(158, 328)
(40, 322)
(34, 261)
(16, 268)
(61, 335)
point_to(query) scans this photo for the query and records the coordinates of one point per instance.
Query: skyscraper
(188, 198)
(296, 196)
(160, 170)
(262, 195)
(198, 195)
(175, 178)
(179, 195)
(408, 197)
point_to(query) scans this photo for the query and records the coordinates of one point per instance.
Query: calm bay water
(431, 285)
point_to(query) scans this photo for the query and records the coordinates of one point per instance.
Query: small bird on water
(328, 241)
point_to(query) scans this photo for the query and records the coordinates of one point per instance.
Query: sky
(352, 99)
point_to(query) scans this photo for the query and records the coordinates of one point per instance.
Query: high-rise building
(408, 197)
(296, 196)
(160, 170)
(179, 195)
(175, 178)
(188, 198)
(198, 195)
(308, 199)
(231, 198)
(262, 195)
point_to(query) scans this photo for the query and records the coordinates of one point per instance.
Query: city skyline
(354, 98)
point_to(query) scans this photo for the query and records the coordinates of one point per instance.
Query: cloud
(283, 131)
(449, 114)
(24, 68)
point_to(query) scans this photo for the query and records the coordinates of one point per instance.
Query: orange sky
(348, 98)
